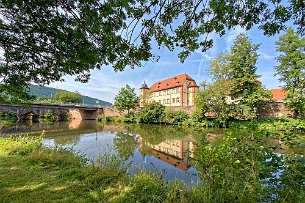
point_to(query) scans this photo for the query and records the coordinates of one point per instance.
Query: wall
(107, 111)
(275, 110)
(166, 97)
(189, 109)
(83, 114)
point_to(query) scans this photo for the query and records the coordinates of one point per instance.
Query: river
(165, 149)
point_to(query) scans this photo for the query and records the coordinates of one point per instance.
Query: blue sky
(106, 83)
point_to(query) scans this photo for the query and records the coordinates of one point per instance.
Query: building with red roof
(276, 107)
(278, 94)
(177, 91)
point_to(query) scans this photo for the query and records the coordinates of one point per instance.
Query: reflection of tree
(239, 162)
(125, 144)
(67, 139)
(154, 134)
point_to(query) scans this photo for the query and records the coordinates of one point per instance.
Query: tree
(126, 99)
(292, 69)
(219, 68)
(152, 113)
(247, 91)
(68, 97)
(213, 99)
(42, 41)
(236, 91)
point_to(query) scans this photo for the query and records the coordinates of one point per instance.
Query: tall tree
(42, 41)
(126, 99)
(68, 97)
(219, 68)
(292, 69)
(247, 91)
(236, 91)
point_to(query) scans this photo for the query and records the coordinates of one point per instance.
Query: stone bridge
(36, 110)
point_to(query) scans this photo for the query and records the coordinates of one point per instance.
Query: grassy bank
(280, 124)
(30, 172)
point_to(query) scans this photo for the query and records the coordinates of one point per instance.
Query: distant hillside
(39, 92)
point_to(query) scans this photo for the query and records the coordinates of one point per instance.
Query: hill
(40, 92)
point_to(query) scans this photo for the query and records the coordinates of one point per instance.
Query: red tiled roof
(172, 82)
(278, 94)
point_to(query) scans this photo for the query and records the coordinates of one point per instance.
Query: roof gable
(172, 82)
(278, 94)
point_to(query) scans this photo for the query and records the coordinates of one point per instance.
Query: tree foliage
(42, 41)
(236, 91)
(246, 88)
(68, 97)
(292, 69)
(152, 113)
(213, 99)
(126, 99)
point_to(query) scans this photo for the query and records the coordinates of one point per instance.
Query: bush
(102, 118)
(175, 117)
(49, 116)
(152, 113)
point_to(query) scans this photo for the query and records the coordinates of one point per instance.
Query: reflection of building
(173, 152)
(178, 91)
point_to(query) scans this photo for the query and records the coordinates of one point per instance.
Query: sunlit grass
(31, 173)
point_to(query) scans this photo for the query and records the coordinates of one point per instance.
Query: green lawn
(24, 180)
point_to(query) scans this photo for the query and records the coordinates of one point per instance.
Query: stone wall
(275, 110)
(83, 114)
(189, 109)
(107, 111)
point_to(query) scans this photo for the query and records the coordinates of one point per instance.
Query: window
(168, 101)
(178, 100)
(164, 101)
(160, 93)
(178, 88)
(160, 101)
(173, 100)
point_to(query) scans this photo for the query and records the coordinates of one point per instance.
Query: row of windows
(168, 101)
(167, 92)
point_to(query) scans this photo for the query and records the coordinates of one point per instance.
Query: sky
(106, 83)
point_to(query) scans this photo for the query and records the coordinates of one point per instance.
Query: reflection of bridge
(38, 109)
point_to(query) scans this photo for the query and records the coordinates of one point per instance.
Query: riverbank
(30, 172)
(233, 167)
(179, 118)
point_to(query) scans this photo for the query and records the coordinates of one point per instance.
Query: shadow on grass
(23, 181)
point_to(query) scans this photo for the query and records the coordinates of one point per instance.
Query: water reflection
(169, 150)
(165, 149)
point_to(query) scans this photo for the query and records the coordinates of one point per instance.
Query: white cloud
(266, 56)
(232, 34)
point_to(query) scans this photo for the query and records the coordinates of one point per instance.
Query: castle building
(177, 91)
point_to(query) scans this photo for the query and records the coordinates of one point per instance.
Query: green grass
(31, 173)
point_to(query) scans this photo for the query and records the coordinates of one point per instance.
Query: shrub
(175, 117)
(49, 116)
(102, 118)
(152, 113)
